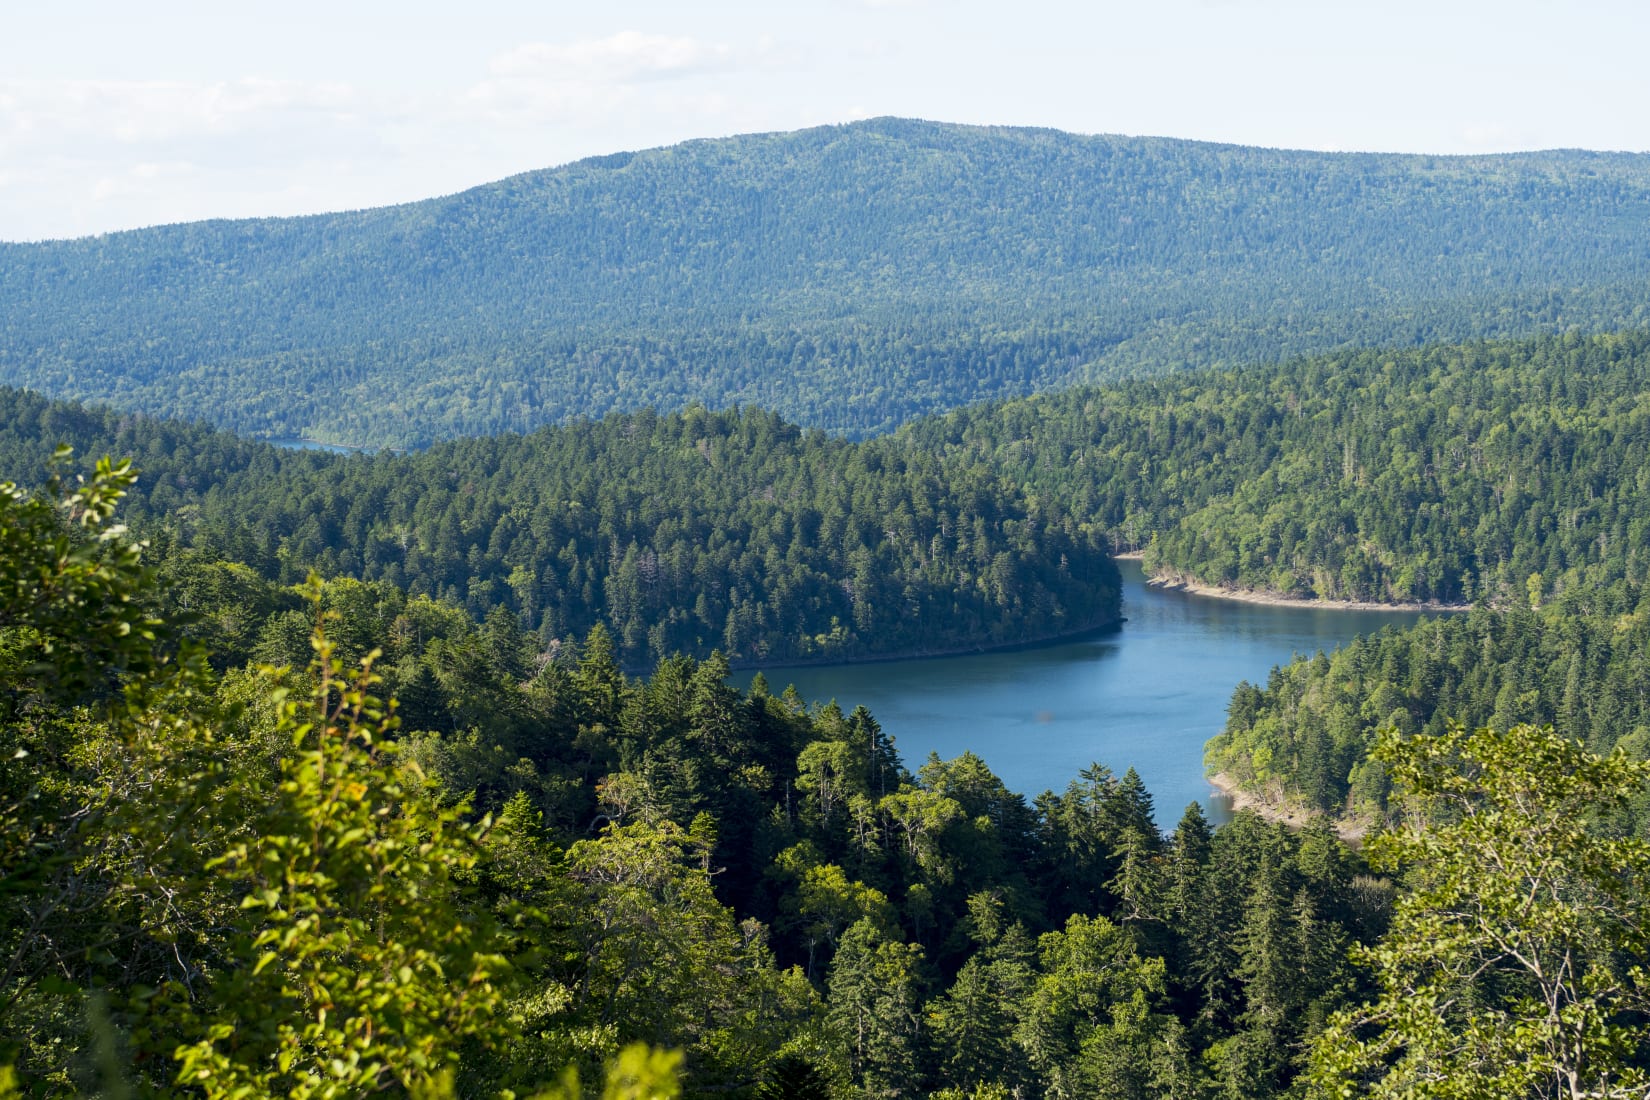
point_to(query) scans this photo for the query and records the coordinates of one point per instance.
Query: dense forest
(1580, 663)
(1445, 474)
(231, 880)
(690, 532)
(230, 868)
(848, 277)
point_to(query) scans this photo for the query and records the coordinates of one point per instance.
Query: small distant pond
(1145, 696)
(314, 445)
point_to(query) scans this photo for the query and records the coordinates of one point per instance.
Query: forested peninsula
(690, 532)
(1579, 663)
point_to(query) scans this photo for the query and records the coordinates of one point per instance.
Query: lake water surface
(1146, 696)
(313, 445)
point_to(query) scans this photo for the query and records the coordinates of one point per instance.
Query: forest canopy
(229, 880)
(693, 532)
(1444, 475)
(226, 879)
(848, 277)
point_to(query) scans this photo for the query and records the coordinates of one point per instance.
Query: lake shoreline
(1276, 811)
(1058, 638)
(1147, 696)
(1176, 582)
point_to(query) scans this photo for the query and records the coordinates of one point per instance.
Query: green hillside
(1444, 474)
(847, 277)
(689, 532)
(1580, 664)
(1440, 474)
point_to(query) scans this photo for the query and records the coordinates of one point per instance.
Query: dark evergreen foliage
(1580, 664)
(690, 532)
(662, 850)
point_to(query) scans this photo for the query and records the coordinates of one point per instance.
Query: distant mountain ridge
(850, 277)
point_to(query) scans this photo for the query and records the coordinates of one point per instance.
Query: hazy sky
(115, 115)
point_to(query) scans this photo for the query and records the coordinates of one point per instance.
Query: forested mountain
(847, 277)
(689, 532)
(1441, 474)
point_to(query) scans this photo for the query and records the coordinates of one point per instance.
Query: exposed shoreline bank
(1176, 583)
(1349, 830)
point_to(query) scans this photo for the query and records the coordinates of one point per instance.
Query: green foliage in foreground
(249, 882)
(350, 937)
(231, 910)
(1514, 966)
(70, 611)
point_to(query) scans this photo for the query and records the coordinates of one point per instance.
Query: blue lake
(1146, 696)
(312, 445)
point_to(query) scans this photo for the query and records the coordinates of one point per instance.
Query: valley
(1146, 696)
(759, 616)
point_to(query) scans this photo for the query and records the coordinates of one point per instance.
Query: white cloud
(628, 83)
(133, 113)
(89, 155)
(628, 55)
(83, 156)
(140, 178)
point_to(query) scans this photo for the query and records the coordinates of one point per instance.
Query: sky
(118, 115)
